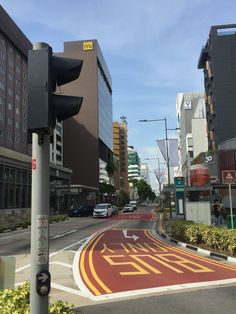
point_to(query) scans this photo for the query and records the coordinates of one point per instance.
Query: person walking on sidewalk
(218, 212)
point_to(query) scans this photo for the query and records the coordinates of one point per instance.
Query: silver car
(128, 208)
(102, 210)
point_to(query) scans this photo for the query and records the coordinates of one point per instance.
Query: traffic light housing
(46, 72)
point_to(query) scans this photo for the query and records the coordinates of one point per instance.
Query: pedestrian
(218, 212)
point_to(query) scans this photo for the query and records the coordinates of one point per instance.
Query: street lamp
(166, 139)
(159, 169)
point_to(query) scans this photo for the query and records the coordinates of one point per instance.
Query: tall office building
(15, 163)
(15, 153)
(218, 60)
(144, 173)
(88, 136)
(133, 164)
(192, 136)
(121, 154)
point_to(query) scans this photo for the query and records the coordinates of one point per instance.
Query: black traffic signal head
(45, 73)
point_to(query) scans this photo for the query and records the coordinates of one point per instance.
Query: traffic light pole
(40, 276)
(46, 72)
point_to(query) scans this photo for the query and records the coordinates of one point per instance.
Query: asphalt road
(209, 301)
(66, 239)
(61, 235)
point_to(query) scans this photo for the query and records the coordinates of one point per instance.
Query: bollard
(7, 272)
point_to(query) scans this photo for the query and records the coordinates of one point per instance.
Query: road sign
(229, 176)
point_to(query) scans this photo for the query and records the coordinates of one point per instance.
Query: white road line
(67, 289)
(63, 234)
(58, 287)
(54, 253)
(61, 264)
(78, 280)
(14, 236)
(128, 294)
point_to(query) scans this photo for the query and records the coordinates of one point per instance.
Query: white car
(128, 208)
(102, 210)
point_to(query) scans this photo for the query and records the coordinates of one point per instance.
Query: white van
(102, 210)
(134, 203)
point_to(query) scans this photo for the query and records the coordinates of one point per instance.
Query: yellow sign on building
(88, 45)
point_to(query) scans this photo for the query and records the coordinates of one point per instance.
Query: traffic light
(45, 73)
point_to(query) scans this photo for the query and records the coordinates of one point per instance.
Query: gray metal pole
(231, 208)
(167, 153)
(159, 170)
(168, 164)
(39, 223)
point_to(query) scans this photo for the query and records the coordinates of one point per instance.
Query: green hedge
(16, 301)
(26, 223)
(220, 239)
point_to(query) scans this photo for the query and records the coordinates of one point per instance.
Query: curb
(195, 248)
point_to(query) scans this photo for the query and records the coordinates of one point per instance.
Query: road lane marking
(137, 258)
(204, 259)
(95, 276)
(61, 264)
(134, 237)
(63, 234)
(83, 272)
(14, 236)
(140, 270)
(152, 291)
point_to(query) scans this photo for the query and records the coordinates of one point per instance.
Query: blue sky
(151, 48)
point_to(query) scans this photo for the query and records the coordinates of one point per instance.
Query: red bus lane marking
(136, 216)
(112, 263)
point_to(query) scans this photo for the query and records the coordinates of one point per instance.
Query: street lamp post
(159, 168)
(167, 149)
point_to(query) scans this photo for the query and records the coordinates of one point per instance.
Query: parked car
(128, 208)
(115, 210)
(77, 212)
(102, 210)
(81, 211)
(89, 210)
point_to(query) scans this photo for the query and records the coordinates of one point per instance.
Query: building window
(17, 111)
(9, 121)
(191, 154)
(10, 62)
(2, 85)
(9, 106)
(10, 92)
(17, 97)
(17, 125)
(10, 76)
(9, 135)
(2, 55)
(2, 70)
(190, 142)
(1, 133)
(1, 100)
(1, 116)
(3, 41)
